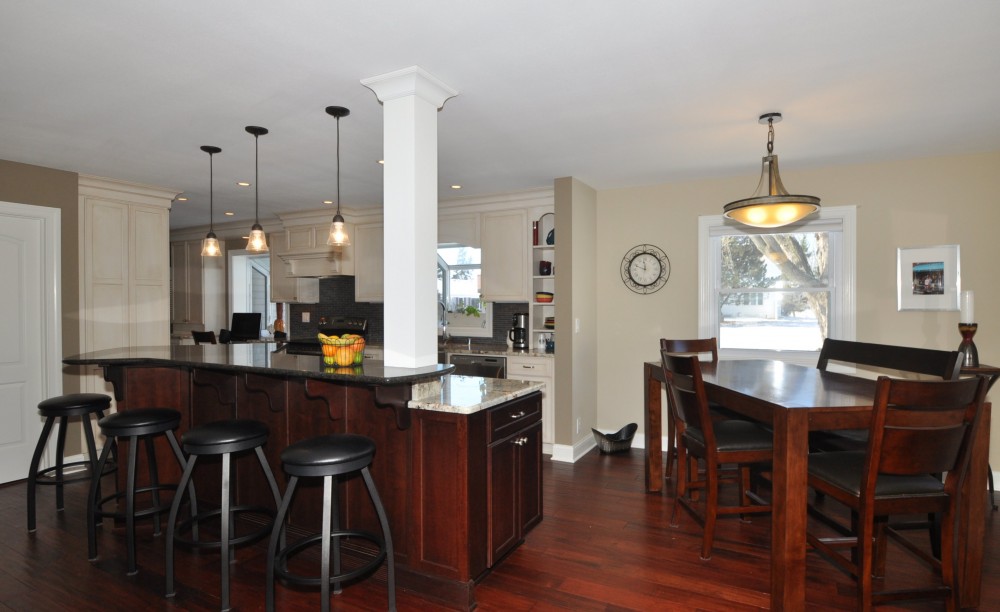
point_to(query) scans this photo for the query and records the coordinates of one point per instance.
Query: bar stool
(63, 407)
(213, 439)
(328, 457)
(144, 423)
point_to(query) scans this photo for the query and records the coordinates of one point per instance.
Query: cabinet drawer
(529, 366)
(514, 416)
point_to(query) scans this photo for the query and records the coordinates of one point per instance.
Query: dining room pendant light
(338, 234)
(210, 245)
(257, 242)
(771, 205)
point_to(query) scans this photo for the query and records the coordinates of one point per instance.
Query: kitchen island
(457, 463)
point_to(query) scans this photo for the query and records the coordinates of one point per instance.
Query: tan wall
(926, 202)
(38, 186)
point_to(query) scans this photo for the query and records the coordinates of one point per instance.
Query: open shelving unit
(541, 310)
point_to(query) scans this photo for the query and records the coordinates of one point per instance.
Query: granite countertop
(260, 358)
(463, 348)
(468, 394)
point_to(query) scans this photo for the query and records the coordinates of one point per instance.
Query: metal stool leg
(225, 530)
(92, 500)
(324, 586)
(277, 532)
(171, 523)
(88, 434)
(133, 441)
(60, 451)
(154, 481)
(386, 535)
(36, 458)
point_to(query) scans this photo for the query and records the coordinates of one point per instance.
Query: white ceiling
(614, 93)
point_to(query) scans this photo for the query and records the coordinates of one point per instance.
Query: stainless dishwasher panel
(487, 366)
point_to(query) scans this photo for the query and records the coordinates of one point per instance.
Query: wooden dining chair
(702, 347)
(730, 441)
(918, 428)
(203, 337)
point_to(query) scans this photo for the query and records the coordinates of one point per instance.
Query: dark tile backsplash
(336, 299)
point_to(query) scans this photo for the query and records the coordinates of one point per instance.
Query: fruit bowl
(342, 351)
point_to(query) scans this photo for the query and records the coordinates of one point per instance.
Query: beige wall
(925, 202)
(38, 186)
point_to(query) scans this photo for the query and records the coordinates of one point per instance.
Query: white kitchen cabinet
(461, 229)
(538, 369)
(198, 298)
(285, 288)
(306, 253)
(124, 268)
(504, 238)
(369, 266)
(543, 282)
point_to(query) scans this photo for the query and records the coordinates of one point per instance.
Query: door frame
(51, 341)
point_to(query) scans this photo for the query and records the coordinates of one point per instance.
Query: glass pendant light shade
(338, 233)
(771, 205)
(257, 242)
(210, 245)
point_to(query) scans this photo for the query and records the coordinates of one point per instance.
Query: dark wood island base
(460, 489)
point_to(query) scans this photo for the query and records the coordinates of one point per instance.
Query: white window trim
(843, 297)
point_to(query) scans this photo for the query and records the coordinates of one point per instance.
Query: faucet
(443, 320)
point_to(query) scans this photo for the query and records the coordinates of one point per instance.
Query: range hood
(313, 263)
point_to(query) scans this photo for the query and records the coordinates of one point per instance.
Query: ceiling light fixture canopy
(338, 235)
(210, 245)
(771, 205)
(257, 242)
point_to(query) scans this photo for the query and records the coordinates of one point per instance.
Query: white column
(410, 99)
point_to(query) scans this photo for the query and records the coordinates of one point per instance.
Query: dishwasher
(487, 366)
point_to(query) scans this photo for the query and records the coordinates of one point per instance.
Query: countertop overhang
(468, 394)
(259, 358)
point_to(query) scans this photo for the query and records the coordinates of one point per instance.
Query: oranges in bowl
(342, 351)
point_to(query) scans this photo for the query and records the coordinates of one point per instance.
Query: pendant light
(338, 235)
(257, 242)
(210, 245)
(771, 205)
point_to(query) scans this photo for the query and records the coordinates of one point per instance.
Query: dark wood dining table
(794, 399)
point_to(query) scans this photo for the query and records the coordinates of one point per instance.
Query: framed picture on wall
(928, 278)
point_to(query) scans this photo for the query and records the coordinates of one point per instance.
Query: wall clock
(645, 268)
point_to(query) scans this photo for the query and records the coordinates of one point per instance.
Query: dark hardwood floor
(604, 545)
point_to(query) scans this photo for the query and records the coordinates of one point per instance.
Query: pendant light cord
(256, 179)
(338, 165)
(770, 136)
(211, 193)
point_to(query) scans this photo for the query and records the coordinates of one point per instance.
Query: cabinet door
(502, 484)
(505, 256)
(538, 369)
(195, 280)
(530, 477)
(178, 283)
(369, 263)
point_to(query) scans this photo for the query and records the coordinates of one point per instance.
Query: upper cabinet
(285, 288)
(369, 269)
(504, 238)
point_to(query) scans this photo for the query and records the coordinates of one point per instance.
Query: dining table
(793, 400)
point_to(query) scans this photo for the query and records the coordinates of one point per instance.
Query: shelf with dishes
(543, 281)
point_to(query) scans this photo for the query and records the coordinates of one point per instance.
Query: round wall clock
(645, 268)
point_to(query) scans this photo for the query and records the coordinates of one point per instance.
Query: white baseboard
(570, 454)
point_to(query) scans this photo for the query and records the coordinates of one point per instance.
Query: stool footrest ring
(99, 513)
(43, 476)
(282, 557)
(253, 536)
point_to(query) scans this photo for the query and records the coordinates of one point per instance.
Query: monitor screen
(246, 326)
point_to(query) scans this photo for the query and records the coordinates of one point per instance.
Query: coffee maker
(518, 334)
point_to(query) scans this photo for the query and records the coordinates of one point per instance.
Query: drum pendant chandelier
(771, 205)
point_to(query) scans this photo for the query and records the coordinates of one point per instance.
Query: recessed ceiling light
(328, 201)
(381, 161)
(182, 198)
(243, 184)
(456, 186)
(229, 213)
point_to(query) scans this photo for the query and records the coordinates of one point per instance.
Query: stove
(335, 326)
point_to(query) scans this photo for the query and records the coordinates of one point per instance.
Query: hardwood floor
(604, 545)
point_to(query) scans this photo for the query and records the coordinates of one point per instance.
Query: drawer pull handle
(528, 367)
(517, 415)
(520, 441)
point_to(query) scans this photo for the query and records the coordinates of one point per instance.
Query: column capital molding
(412, 81)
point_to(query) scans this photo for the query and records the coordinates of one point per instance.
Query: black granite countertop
(260, 358)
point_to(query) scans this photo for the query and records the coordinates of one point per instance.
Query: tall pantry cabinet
(124, 268)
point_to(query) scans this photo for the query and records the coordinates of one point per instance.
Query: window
(463, 312)
(762, 291)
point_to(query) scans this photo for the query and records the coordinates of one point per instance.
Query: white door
(30, 329)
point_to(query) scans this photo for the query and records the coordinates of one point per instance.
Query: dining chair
(203, 337)
(701, 347)
(730, 441)
(918, 429)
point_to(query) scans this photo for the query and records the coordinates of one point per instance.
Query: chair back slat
(696, 346)
(686, 392)
(922, 427)
(946, 364)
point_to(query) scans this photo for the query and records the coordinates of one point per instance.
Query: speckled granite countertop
(468, 394)
(463, 348)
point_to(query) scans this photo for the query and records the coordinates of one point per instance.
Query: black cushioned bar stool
(328, 457)
(145, 424)
(63, 407)
(214, 439)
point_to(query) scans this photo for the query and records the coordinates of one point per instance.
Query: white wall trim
(571, 454)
